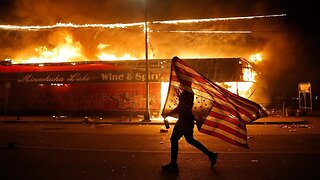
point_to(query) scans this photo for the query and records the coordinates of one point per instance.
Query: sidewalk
(132, 120)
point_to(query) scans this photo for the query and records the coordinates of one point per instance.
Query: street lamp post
(147, 113)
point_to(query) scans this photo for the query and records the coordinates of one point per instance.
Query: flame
(164, 92)
(104, 56)
(218, 19)
(67, 50)
(69, 25)
(126, 25)
(244, 86)
(241, 88)
(249, 74)
(209, 32)
(111, 57)
(255, 58)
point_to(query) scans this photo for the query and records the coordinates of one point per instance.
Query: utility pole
(147, 113)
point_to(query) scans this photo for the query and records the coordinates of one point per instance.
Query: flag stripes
(239, 127)
(221, 101)
(233, 140)
(218, 112)
(226, 129)
(237, 102)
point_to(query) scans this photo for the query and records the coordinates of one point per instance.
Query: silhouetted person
(184, 127)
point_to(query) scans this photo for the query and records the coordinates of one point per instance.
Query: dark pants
(185, 130)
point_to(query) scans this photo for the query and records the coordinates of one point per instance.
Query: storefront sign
(84, 77)
(304, 87)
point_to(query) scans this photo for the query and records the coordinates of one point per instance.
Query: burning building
(51, 72)
(105, 87)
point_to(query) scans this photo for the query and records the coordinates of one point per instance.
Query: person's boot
(213, 158)
(171, 167)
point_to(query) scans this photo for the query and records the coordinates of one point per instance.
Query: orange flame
(104, 56)
(255, 58)
(66, 50)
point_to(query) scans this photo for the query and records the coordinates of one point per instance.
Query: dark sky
(291, 41)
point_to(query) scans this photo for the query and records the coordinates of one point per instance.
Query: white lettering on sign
(112, 77)
(78, 78)
(30, 78)
(142, 77)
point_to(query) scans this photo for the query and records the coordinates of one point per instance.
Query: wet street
(133, 151)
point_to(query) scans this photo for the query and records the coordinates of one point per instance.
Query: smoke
(277, 39)
(162, 44)
(97, 11)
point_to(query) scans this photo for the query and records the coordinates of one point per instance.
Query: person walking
(184, 127)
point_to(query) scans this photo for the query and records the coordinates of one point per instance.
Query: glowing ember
(68, 25)
(216, 19)
(256, 58)
(121, 25)
(210, 32)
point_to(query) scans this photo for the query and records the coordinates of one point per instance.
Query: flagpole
(147, 113)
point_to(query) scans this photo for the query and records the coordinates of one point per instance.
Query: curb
(136, 122)
(282, 122)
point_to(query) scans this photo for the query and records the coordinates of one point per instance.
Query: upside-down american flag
(218, 112)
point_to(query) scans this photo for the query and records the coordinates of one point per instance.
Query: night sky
(290, 42)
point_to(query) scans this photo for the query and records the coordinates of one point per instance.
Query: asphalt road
(124, 151)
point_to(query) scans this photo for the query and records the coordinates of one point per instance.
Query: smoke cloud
(280, 42)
